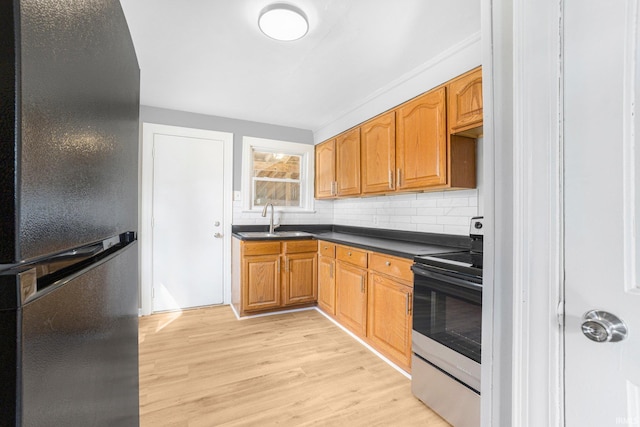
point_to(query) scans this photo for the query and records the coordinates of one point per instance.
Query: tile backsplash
(446, 212)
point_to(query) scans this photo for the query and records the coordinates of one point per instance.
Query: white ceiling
(209, 57)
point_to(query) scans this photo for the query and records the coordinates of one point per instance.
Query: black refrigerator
(69, 105)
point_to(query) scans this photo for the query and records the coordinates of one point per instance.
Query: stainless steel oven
(447, 329)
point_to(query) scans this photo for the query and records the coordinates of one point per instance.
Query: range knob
(478, 225)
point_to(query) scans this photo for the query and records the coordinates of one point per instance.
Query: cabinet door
(351, 297)
(465, 103)
(325, 154)
(301, 278)
(261, 282)
(378, 143)
(348, 163)
(421, 142)
(389, 319)
(327, 285)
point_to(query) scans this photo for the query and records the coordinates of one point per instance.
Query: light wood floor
(205, 368)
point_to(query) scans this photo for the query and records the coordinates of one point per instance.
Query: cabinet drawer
(327, 249)
(392, 266)
(354, 256)
(260, 248)
(299, 246)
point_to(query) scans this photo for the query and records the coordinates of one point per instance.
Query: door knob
(601, 326)
(217, 235)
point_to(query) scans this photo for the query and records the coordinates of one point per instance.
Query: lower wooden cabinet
(327, 284)
(389, 320)
(269, 275)
(371, 294)
(261, 284)
(351, 297)
(300, 278)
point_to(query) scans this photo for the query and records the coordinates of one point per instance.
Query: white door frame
(523, 353)
(146, 205)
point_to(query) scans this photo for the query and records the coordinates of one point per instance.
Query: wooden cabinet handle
(362, 284)
(408, 303)
(278, 265)
(398, 181)
(331, 271)
(390, 179)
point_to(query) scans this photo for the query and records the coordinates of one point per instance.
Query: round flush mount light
(283, 22)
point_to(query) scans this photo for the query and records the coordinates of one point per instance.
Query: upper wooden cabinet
(425, 144)
(421, 142)
(465, 104)
(325, 155)
(348, 163)
(378, 145)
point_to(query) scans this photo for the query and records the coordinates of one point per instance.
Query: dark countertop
(398, 248)
(404, 244)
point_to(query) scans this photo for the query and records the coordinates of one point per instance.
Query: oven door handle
(421, 271)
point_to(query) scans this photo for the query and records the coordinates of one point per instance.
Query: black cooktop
(465, 262)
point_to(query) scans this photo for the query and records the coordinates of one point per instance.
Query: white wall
(440, 212)
(239, 128)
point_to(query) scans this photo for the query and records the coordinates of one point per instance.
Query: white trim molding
(454, 61)
(522, 355)
(146, 203)
(538, 350)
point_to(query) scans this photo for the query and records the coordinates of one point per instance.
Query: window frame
(306, 153)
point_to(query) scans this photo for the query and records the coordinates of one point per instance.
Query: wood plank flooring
(205, 368)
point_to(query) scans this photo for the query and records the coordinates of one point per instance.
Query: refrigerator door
(75, 101)
(79, 348)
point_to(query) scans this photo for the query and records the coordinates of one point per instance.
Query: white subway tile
(453, 220)
(428, 228)
(425, 219)
(455, 229)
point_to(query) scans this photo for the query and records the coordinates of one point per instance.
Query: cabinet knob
(388, 263)
(349, 253)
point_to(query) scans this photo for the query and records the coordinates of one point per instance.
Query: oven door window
(449, 311)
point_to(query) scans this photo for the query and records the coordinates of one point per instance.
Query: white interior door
(187, 222)
(602, 206)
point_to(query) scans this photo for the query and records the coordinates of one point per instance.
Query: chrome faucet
(264, 214)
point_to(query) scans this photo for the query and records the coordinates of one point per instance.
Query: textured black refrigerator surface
(69, 102)
(74, 100)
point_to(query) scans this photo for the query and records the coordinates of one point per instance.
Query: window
(277, 172)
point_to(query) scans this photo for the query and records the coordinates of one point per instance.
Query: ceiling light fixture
(283, 22)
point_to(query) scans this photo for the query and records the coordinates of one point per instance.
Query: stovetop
(463, 262)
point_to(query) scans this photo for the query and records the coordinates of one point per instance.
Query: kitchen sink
(276, 235)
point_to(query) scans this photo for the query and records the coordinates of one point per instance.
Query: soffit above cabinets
(209, 56)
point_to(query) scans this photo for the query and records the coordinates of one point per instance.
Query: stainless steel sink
(276, 235)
